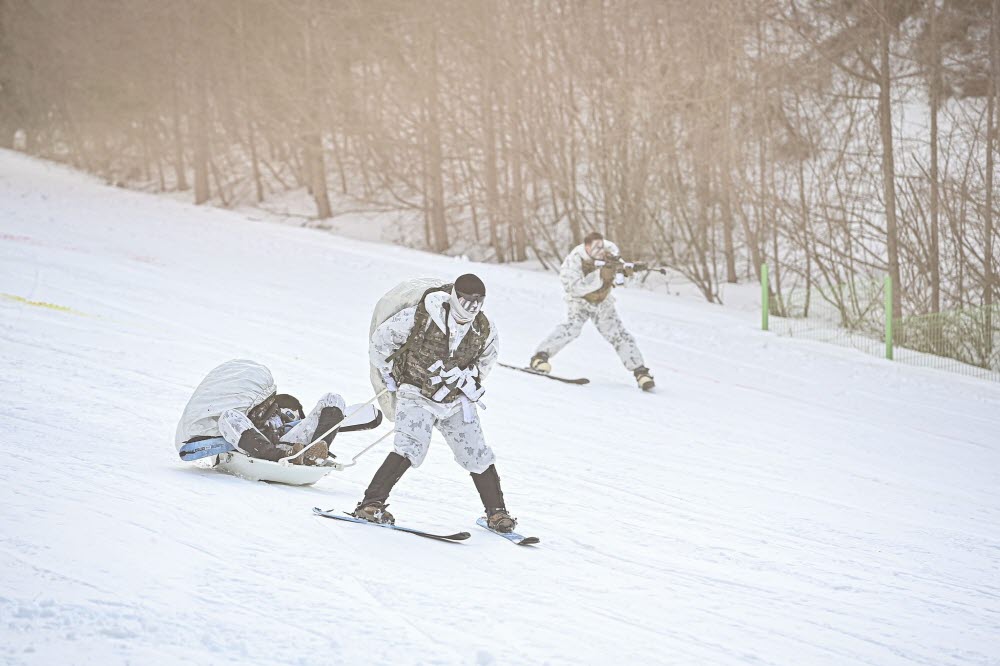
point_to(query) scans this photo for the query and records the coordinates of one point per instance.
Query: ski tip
(528, 541)
(532, 371)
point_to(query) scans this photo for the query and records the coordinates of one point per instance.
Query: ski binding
(513, 537)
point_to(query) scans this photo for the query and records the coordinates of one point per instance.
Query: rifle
(623, 269)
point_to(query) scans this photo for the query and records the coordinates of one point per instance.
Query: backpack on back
(238, 384)
(404, 295)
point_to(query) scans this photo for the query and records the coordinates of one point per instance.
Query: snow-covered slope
(775, 501)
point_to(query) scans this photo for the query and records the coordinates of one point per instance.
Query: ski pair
(513, 537)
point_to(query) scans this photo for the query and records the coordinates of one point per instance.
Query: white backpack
(404, 295)
(238, 384)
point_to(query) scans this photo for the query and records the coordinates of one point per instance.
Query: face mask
(464, 307)
(470, 303)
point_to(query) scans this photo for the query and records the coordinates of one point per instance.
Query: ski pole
(284, 461)
(354, 461)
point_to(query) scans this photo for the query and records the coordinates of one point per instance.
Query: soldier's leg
(328, 412)
(414, 426)
(237, 429)
(471, 452)
(467, 441)
(577, 314)
(610, 325)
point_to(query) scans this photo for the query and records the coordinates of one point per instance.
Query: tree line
(830, 138)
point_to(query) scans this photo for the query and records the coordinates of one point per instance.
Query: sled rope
(286, 459)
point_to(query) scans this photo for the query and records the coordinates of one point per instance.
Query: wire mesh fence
(855, 315)
(851, 315)
(965, 341)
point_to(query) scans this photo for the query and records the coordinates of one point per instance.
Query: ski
(513, 537)
(459, 536)
(565, 380)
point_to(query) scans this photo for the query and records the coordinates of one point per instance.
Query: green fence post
(764, 296)
(888, 317)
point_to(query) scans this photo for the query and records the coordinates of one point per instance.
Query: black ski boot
(501, 521)
(643, 378)
(540, 363)
(315, 456)
(328, 417)
(372, 507)
(488, 485)
(374, 512)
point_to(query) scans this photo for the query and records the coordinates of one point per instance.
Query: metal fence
(858, 315)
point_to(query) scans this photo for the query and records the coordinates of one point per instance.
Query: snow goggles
(471, 302)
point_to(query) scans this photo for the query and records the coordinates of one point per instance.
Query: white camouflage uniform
(579, 311)
(417, 415)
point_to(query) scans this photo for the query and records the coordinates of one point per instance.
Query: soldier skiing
(588, 274)
(434, 356)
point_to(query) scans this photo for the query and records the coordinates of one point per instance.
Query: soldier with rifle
(588, 275)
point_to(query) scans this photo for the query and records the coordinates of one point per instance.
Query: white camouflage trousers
(304, 430)
(415, 423)
(608, 323)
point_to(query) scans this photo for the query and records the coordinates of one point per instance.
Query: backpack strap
(259, 414)
(421, 320)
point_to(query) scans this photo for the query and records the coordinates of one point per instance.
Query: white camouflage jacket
(576, 284)
(395, 330)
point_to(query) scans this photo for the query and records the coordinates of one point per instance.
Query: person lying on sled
(237, 407)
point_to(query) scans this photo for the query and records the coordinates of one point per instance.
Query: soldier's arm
(490, 353)
(574, 281)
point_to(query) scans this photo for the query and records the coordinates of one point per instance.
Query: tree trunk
(255, 162)
(888, 165)
(488, 96)
(435, 161)
(990, 147)
(519, 248)
(935, 100)
(315, 165)
(179, 168)
(725, 168)
(202, 193)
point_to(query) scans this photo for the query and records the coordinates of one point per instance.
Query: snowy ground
(775, 501)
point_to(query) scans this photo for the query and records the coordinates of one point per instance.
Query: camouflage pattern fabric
(608, 323)
(304, 430)
(415, 423)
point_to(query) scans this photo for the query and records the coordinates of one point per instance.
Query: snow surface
(775, 501)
